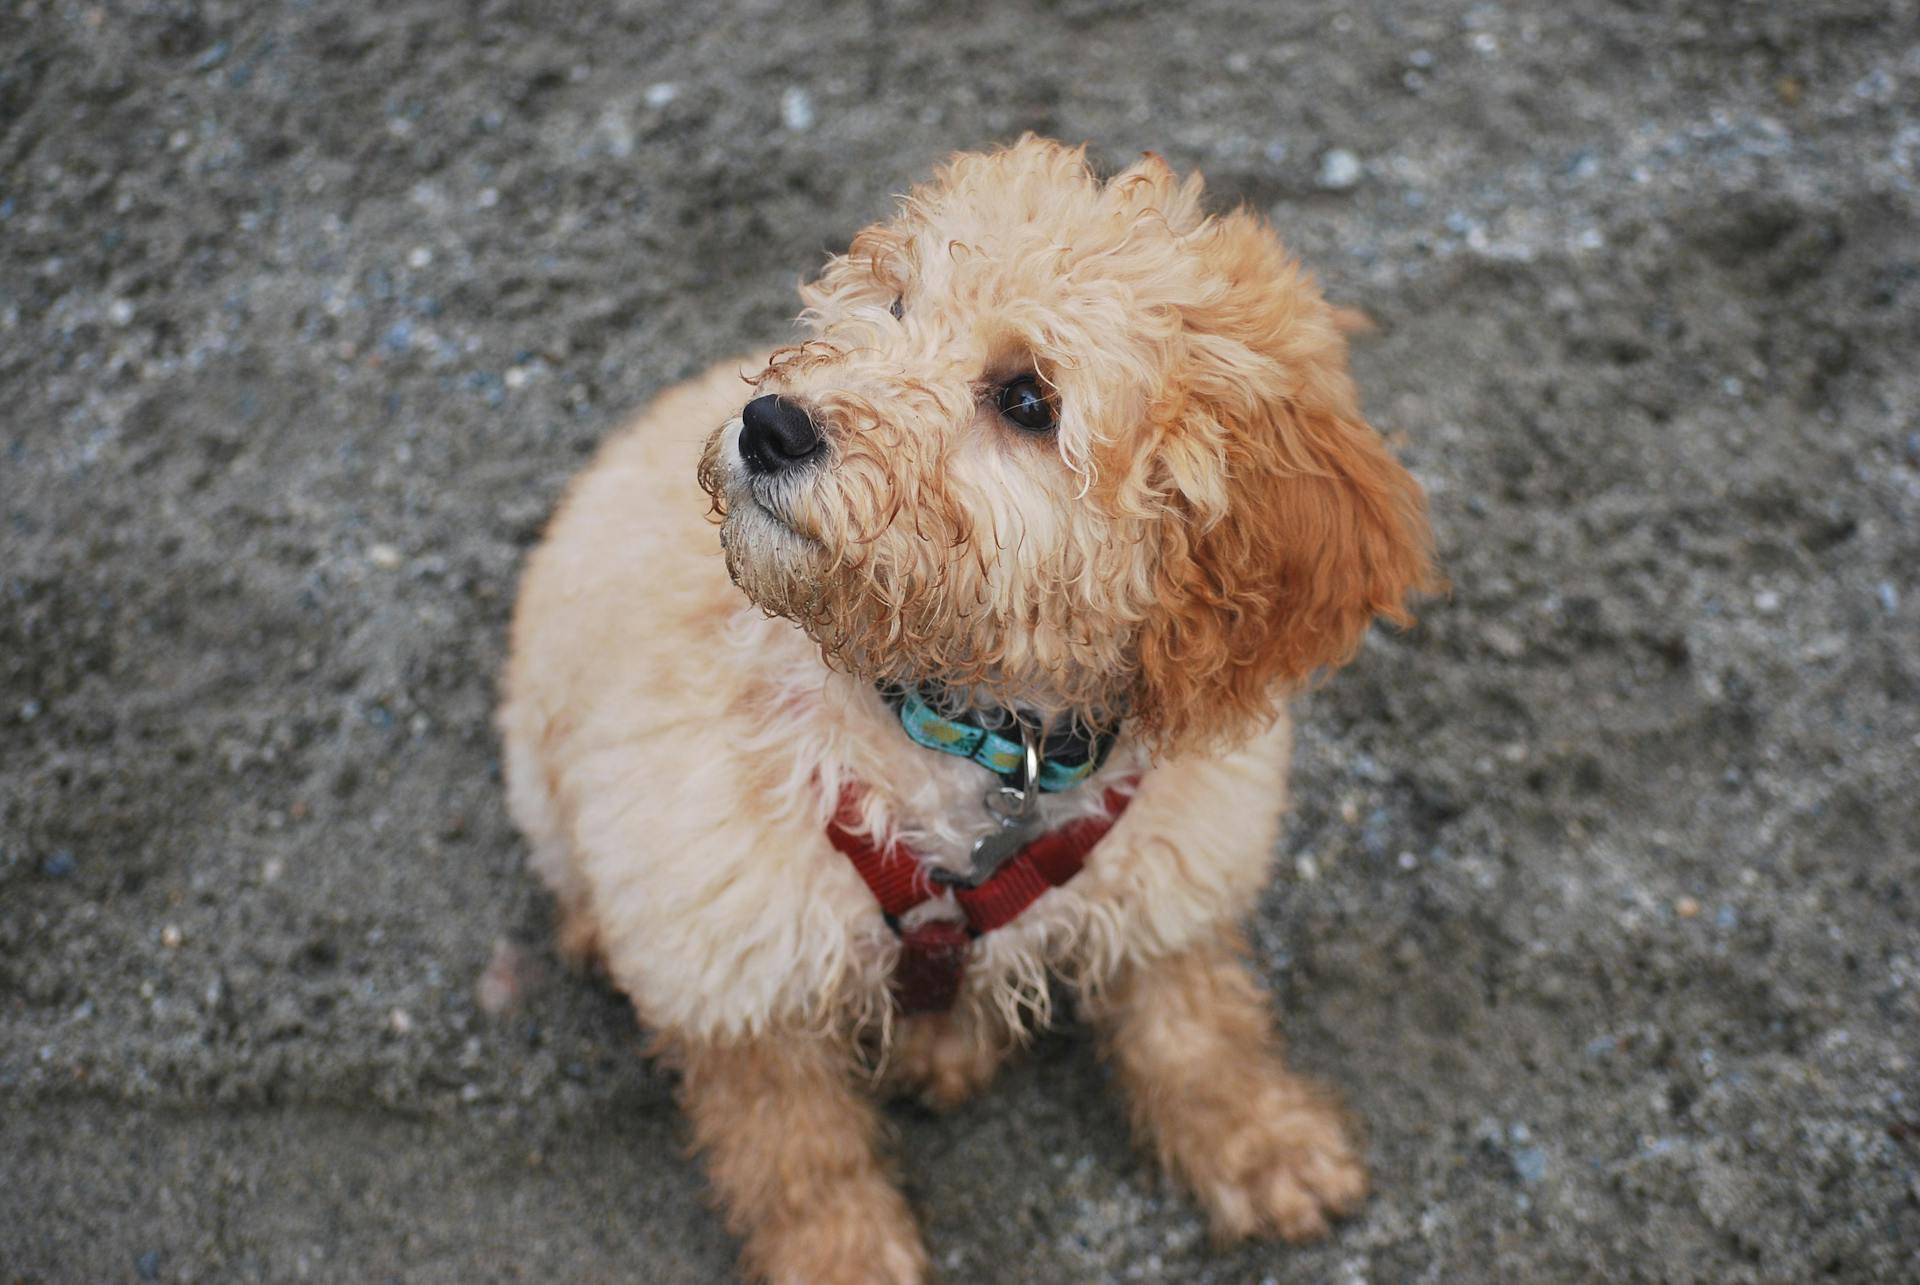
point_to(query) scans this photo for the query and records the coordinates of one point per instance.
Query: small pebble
(1889, 597)
(1529, 1164)
(59, 865)
(491, 388)
(120, 312)
(659, 95)
(796, 110)
(1686, 907)
(1340, 170)
(170, 937)
(1826, 647)
(1504, 642)
(505, 980)
(400, 1022)
(384, 557)
(1766, 602)
(419, 257)
(148, 1265)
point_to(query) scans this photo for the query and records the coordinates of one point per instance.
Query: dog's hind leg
(1265, 1150)
(532, 798)
(793, 1150)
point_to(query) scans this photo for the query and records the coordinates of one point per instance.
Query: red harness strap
(933, 954)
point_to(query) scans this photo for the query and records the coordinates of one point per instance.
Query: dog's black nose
(777, 434)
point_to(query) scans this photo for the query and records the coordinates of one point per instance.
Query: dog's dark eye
(897, 309)
(1025, 403)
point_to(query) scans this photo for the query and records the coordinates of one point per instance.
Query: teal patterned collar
(991, 738)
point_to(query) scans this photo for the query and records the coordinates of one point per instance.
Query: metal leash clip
(1016, 808)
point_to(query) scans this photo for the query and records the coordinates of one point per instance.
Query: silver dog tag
(1016, 809)
(995, 848)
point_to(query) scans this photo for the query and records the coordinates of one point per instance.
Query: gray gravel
(1602, 888)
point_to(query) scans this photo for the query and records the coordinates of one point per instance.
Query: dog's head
(1074, 445)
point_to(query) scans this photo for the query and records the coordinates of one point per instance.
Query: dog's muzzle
(777, 435)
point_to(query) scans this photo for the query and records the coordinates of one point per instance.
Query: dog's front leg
(794, 1151)
(1266, 1151)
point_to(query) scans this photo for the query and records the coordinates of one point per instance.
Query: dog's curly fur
(1210, 524)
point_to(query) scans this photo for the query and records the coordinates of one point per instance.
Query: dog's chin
(890, 633)
(788, 573)
(766, 556)
(759, 542)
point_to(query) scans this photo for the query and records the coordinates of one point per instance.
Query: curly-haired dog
(1065, 491)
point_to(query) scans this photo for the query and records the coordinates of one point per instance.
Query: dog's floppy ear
(1291, 526)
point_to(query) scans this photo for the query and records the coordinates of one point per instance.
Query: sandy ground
(1601, 896)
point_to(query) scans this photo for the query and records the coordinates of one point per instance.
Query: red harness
(933, 953)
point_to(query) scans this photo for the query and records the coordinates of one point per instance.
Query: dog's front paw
(945, 1057)
(858, 1232)
(1282, 1162)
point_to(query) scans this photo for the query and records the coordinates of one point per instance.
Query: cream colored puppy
(977, 685)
